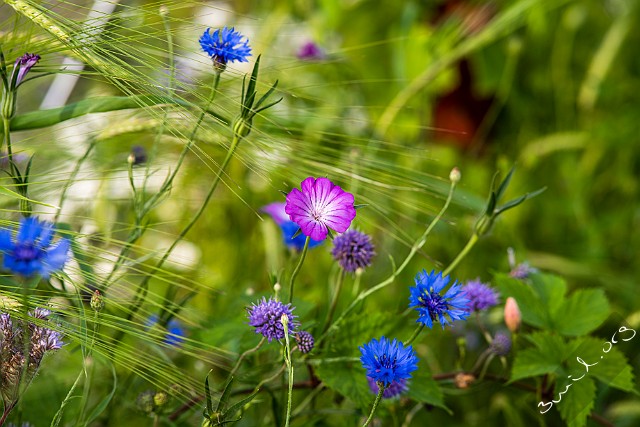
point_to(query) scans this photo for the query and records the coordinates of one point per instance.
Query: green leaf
(423, 388)
(533, 311)
(106, 400)
(546, 358)
(550, 290)
(612, 367)
(348, 379)
(582, 312)
(5, 191)
(44, 118)
(576, 403)
(239, 404)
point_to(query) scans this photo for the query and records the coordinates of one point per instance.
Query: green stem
(289, 362)
(72, 178)
(414, 335)
(6, 122)
(297, 269)
(470, 244)
(375, 405)
(414, 249)
(166, 186)
(245, 354)
(334, 301)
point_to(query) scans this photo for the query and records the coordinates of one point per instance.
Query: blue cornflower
(225, 45)
(480, 295)
(266, 317)
(175, 332)
(288, 227)
(387, 361)
(432, 306)
(353, 250)
(31, 252)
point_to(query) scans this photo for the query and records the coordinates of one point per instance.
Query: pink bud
(512, 316)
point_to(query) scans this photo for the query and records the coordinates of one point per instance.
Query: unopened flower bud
(501, 344)
(512, 316)
(160, 398)
(455, 175)
(97, 301)
(145, 401)
(163, 10)
(305, 341)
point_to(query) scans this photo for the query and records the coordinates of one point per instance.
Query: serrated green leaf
(348, 379)
(531, 307)
(423, 388)
(576, 403)
(582, 312)
(550, 290)
(546, 358)
(612, 367)
(358, 330)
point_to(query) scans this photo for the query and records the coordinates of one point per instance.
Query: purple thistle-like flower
(432, 306)
(387, 361)
(305, 341)
(319, 206)
(266, 318)
(396, 388)
(32, 252)
(310, 51)
(288, 227)
(480, 295)
(353, 250)
(23, 65)
(501, 344)
(225, 45)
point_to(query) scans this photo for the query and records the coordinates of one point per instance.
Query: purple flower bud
(23, 65)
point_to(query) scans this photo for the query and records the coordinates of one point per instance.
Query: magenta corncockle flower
(320, 206)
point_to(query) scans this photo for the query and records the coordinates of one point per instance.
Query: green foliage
(544, 304)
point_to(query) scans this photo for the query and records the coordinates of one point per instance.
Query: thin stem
(72, 178)
(375, 405)
(308, 399)
(297, 269)
(334, 300)
(288, 361)
(6, 122)
(244, 355)
(414, 249)
(470, 244)
(414, 335)
(166, 186)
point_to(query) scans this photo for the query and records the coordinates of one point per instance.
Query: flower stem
(334, 301)
(245, 354)
(287, 359)
(297, 269)
(470, 244)
(414, 335)
(414, 249)
(375, 405)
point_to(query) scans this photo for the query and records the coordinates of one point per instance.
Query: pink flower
(319, 206)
